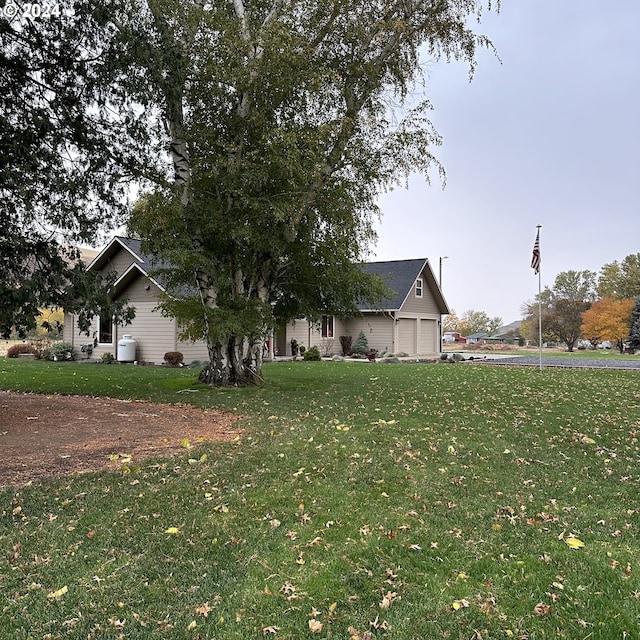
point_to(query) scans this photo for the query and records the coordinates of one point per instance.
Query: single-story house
(477, 338)
(507, 337)
(408, 322)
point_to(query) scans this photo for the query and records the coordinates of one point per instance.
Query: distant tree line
(583, 305)
(471, 322)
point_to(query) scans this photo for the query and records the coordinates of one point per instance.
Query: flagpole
(539, 304)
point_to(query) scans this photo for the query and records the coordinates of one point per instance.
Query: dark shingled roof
(399, 276)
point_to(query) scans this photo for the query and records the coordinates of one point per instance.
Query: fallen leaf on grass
(172, 530)
(315, 626)
(387, 599)
(542, 609)
(460, 604)
(271, 629)
(360, 635)
(124, 458)
(56, 595)
(574, 543)
(117, 623)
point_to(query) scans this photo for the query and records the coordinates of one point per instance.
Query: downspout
(394, 338)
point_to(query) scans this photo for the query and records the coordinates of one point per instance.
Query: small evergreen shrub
(61, 351)
(107, 358)
(15, 350)
(361, 345)
(173, 358)
(312, 353)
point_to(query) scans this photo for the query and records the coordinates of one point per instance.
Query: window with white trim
(327, 326)
(419, 286)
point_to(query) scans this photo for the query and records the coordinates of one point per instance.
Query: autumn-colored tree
(608, 319)
(450, 322)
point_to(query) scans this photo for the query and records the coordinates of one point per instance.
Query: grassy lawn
(400, 501)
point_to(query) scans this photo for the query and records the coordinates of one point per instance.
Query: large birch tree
(283, 121)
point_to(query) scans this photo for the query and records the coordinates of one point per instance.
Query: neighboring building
(477, 338)
(408, 322)
(453, 336)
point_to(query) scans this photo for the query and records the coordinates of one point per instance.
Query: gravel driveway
(574, 363)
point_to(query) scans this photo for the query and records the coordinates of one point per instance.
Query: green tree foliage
(575, 285)
(283, 122)
(565, 320)
(620, 279)
(634, 333)
(60, 169)
(562, 306)
(471, 322)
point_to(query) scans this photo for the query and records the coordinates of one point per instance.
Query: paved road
(579, 363)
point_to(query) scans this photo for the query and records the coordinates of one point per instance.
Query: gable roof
(400, 276)
(143, 264)
(145, 261)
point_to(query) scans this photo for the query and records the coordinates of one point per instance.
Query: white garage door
(428, 338)
(407, 335)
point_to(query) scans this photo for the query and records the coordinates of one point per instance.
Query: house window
(419, 288)
(105, 329)
(327, 326)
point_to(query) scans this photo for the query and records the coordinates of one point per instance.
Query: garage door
(428, 338)
(407, 335)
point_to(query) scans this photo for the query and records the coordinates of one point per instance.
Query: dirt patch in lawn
(46, 436)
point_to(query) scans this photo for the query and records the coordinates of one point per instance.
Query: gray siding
(154, 334)
(425, 305)
(119, 263)
(311, 336)
(141, 290)
(193, 350)
(377, 327)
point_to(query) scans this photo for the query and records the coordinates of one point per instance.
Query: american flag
(535, 260)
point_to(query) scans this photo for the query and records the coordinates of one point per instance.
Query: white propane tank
(126, 349)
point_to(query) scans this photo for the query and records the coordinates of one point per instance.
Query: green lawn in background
(404, 501)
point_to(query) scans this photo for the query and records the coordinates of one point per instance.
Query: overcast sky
(550, 136)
